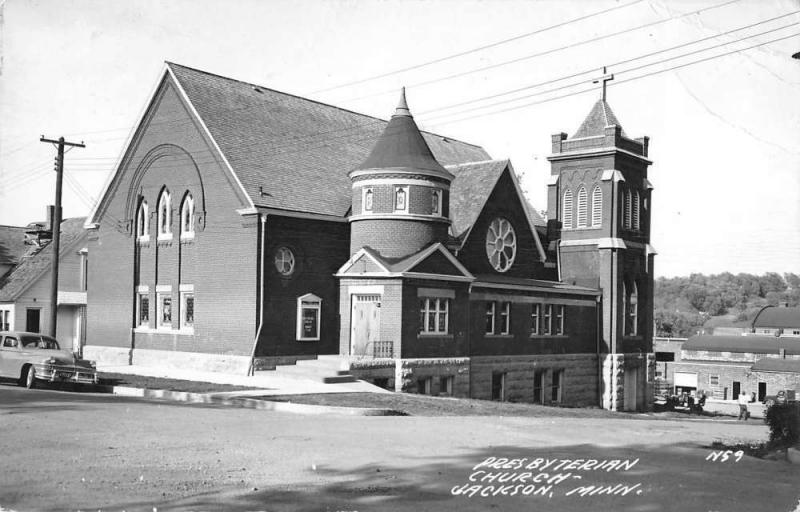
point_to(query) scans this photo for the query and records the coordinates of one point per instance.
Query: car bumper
(55, 373)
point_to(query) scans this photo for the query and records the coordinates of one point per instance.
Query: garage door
(687, 380)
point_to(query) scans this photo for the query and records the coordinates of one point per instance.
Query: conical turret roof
(402, 146)
(597, 120)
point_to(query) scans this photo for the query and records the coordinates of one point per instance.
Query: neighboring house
(244, 222)
(25, 290)
(12, 247)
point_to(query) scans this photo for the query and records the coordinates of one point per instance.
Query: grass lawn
(140, 381)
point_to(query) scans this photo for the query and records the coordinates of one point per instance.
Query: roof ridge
(318, 102)
(479, 162)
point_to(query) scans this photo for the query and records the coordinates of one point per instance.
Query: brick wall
(396, 238)
(171, 151)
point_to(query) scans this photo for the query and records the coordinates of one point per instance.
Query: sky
(723, 118)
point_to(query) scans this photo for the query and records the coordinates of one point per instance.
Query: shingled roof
(777, 318)
(595, 123)
(34, 267)
(297, 151)
(12, 244)
(774, 364)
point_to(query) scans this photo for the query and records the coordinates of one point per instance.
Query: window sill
(542, 336)
(498, 336)
(143, 240)
(189, 238)
(303, 340)
(429, 335)
(149, 330)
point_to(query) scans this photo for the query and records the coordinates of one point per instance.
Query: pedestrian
(744, 399)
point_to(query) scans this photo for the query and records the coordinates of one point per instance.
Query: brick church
(245, 226)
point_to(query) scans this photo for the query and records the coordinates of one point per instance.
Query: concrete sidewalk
(266, 382)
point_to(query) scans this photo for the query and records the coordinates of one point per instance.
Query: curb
(248, 403)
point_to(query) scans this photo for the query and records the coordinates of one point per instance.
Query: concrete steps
(327, 368)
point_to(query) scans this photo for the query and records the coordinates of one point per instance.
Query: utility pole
(56, 226)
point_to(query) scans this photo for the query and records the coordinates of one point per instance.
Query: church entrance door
(366, 324)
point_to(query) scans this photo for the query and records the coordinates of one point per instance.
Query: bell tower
(599, 206)
(400, 201)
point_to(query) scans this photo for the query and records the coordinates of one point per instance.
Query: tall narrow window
(187, 216)
(164, 310)
(436, 202)
(187, 307)
(368, 199)
(401, 199)
(143, 309)
(558, 383)
(582, 208)
(633, 310)
(489, 318)
(566, 210)
(165, 215)
(143, 222)
(536, 311)
(635, 211)
(597, 207)
(548, 319)
(627, 210)
(560, 319)
(505, 318)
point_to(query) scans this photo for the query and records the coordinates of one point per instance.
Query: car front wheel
(30, 377)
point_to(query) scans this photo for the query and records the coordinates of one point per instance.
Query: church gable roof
(34, 267)
(289, 152)
(434, 260)
(595, 123)
(471, 189)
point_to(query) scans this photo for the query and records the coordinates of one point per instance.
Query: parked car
(33, 358)
(781, 397)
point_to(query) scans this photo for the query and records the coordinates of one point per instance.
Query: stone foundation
(107, 356)
(222, 363)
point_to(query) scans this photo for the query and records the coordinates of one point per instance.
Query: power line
(594, 70)
(636, 68)
(477, 49)
(619, 82)
(547, 52)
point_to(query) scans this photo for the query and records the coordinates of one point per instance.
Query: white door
(365, 324)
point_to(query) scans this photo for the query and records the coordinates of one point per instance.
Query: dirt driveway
(67, 451)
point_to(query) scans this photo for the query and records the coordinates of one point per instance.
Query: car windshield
(39, 342)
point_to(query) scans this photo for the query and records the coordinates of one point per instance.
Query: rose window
(284, 261)
(501, 244)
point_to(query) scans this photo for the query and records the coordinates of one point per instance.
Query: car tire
(30, 377)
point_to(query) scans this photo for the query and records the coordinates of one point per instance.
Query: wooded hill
(685, 306)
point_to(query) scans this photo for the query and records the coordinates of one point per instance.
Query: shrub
(784, 424)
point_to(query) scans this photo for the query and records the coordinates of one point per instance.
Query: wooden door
(366, 324)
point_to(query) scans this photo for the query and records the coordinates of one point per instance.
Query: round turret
(400, 201)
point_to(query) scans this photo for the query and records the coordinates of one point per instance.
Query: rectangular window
(401, 199)
(143, 310)
(536, 311)
(309, 309)
(424, 386)
(558, 382)
(499, 386)
(187, 310)
(538, 387)
(713, 380)
(490, 318)
(548, 319)
(434, 315)
(505, 318)
(446, 385)
(559, 319)
(436, 202)
(164, 311)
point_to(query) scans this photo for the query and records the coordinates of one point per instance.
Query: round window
(501, 244)
(284, 261)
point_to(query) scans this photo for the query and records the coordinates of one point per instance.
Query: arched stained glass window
(187, 216)
(165, 215)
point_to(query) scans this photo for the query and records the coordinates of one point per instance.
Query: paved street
(71, 451)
